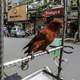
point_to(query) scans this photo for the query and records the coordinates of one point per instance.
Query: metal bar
(65, 17)
(78, 5)
(63, 37)
(1, 52)
(29, 57)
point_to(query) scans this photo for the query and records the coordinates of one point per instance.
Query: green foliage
(46, 5)
(41, 8)
(27, 1)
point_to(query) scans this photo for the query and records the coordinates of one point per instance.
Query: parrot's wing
(38, 37)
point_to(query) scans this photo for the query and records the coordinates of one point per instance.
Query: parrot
(44, 37)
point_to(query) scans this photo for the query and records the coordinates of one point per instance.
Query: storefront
(57, 12)
(72, 24)
(19, 15)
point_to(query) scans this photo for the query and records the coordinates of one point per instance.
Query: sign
(53, 12)
(73, 3)
(18, 13)
(73, 15)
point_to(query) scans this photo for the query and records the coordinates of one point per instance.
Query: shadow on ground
(13, 77)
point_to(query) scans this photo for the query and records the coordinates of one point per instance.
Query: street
(13, 50)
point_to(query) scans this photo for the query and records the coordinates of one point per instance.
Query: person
(9, 30)
(76, 36)
(5, 31)
(74, 27)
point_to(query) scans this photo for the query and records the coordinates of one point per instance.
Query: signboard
(53, 12)
(18, 13)
(73, 15)
(73, 3)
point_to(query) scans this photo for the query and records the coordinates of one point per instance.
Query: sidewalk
(71, 40)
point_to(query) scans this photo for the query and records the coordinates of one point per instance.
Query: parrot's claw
(32, 56)
(25, 65)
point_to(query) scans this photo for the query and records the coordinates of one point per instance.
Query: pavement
(13, 50)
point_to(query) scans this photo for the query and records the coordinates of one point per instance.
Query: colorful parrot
(44, 37)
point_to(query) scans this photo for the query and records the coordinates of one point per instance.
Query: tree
(27, 2)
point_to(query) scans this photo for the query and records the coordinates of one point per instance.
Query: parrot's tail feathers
(47, 51)
(27, 51)
(25, 46)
